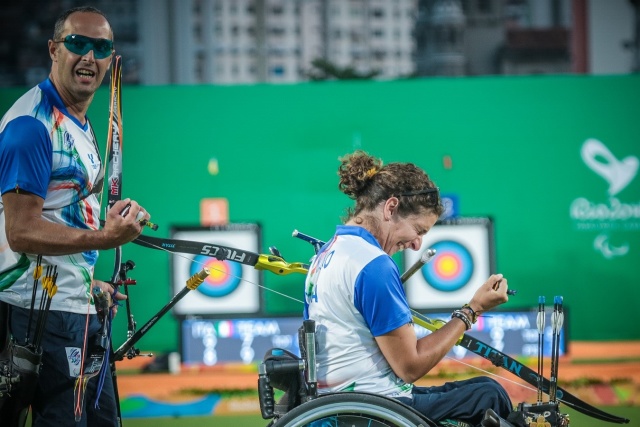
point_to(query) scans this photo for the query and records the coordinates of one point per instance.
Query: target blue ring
(435, 278)
(221, 288)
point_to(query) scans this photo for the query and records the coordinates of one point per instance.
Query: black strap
(5, 333)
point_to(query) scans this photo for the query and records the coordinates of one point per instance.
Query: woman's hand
(492, 293)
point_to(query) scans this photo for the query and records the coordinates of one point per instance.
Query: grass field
(577, 420)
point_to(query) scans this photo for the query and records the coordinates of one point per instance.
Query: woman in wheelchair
(365, 337)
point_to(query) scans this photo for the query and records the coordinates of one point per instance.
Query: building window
(485, 6)
(197, 33)
(197, 7)
(379, 55)
(199, 67)
(276, 31)
(277, 70)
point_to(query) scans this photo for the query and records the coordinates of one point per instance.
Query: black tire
(350, 409)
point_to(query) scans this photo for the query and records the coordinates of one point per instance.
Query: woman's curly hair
(366, 180)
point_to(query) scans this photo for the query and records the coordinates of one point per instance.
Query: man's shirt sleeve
(25, 156)
(380, 298)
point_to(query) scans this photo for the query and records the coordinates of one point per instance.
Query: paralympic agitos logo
(610, 215)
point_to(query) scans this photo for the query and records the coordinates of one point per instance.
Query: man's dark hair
(59, 26)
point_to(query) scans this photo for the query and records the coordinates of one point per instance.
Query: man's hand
(111, 293)
(124, 221)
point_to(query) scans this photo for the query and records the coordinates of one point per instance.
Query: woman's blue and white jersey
(354, 293)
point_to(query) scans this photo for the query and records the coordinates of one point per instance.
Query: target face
(231, 287)
(223, 279)
(462, 263)
(452, 267)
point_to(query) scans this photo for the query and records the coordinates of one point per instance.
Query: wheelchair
(300, 405)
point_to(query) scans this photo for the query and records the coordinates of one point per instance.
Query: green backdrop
(514, 145)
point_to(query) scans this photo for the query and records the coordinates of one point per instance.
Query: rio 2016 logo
(612, 214)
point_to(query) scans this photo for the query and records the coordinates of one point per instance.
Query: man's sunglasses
(81, 45)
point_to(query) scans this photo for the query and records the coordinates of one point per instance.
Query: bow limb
(275, 264)
(94, 357)
(114, 147)
(520, 370)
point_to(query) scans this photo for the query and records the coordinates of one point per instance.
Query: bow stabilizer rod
(426, 256)
(192, 283)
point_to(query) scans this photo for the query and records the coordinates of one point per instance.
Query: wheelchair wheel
(350, 409)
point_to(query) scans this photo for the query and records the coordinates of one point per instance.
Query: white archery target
(231, 287)
(462, 263)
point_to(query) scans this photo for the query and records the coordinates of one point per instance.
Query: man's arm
(27, 231)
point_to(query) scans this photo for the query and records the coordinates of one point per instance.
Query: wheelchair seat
(300, 405)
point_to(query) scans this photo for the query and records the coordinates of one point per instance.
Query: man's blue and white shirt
(46, 151)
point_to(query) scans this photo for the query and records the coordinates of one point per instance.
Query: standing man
(51, 175)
